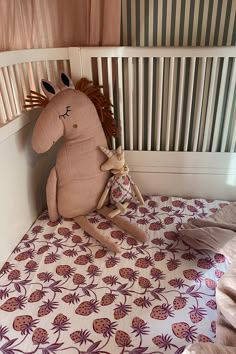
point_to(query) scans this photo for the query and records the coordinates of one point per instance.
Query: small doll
(121, 187)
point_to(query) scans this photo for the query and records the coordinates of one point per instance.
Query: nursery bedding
(61, 292)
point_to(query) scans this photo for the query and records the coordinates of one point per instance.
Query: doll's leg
(125, 225)
(92, 230)
(121, 208)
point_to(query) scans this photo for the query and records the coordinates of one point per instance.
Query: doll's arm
(51, 192)
(137, 193)
(103, 198)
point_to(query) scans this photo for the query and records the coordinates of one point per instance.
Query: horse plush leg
(91, 230)
(51, 193)
(125, 225)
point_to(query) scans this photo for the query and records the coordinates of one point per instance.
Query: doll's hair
(101, 102)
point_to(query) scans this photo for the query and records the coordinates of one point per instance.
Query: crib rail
(169, 99)
(164, 99)
(22, 71)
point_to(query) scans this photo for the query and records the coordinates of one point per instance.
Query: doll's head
(116, 161)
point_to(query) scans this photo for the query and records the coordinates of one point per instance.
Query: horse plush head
(69, 112)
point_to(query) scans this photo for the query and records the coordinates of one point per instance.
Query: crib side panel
(23, 176)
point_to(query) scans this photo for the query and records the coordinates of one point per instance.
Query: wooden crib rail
(22, 71)
(169, 99)
(165, 99)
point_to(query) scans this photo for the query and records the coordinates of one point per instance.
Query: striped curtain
(178, 22)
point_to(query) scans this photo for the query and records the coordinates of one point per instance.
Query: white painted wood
(150, 99)
(233, 137)
(9, 92)
(199, 104)
(142, 22)
(23, 178)
(155, 52)
(74, 55)
(133, 23)
(19, 85)
(159, 23)
(175, 173)
(220, 105)
(130, 103)
(121, 101)
(35, 76)
(28, 55)
(186, 22)
(180, 103)
(159, 102)
(5, 98)
(100, 75)
(3, 116)
(209, 104)
(189, 103)
(229, 106)
(169, 107)
(15, 93)
(66, 67)
(124, 22)
(140, 104)
(177, 22)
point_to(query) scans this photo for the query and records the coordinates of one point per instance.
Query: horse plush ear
(66, 82)
(49, 88)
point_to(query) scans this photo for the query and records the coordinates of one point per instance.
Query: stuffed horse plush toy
(82, 116)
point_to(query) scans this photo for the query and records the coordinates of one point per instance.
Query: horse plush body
(77, 182)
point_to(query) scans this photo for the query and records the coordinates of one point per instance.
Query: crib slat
(19, 85)
(130, 100)
(229, 106)
(220, 105)
(159, 103)
(14, 90)
(35, 74)
(233, 139)
(133, 23)
(31, 76)
(180, 103)
(110, 87)
(140, 104)
(25, 79)
(199, 104)
(3, 116)
(100, 76)
(5, 98)
(209, 104)
(189, 103)
(124, 22)
(66, 67)
(121, 100)
(169, 108)
(9, 92)
(150, 91)
(40, 74)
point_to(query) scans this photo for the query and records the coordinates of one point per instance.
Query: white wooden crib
(175, 108)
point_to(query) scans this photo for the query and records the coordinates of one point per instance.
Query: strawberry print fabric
(61, 292)
(120, 188)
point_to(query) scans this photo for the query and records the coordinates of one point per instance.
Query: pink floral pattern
(61, 292)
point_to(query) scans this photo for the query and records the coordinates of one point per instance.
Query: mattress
(61, 292)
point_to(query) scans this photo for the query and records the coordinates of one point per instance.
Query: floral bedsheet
(61, 292)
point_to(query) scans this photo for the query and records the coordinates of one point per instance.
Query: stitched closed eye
(66, 113)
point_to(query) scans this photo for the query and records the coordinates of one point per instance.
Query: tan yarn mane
(101, 103)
